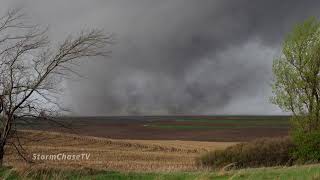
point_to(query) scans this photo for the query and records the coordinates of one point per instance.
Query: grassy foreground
(297, 172)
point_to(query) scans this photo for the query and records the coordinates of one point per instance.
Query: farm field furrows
(187, 128)
(110, 154)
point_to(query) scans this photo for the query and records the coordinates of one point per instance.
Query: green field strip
(236, 122)
(190, 127)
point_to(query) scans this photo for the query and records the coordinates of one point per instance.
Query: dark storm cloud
(175, 56)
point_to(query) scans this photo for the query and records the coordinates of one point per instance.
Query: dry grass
(263, 152)
(109, 154)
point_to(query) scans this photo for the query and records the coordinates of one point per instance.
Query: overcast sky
(174, 56)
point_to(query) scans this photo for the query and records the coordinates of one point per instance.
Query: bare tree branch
(31, 69)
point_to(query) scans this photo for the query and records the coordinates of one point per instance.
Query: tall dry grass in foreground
(109, 154)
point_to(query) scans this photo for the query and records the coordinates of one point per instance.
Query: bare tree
(30, 68)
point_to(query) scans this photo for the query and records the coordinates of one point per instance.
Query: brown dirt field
(140, 129)
(111, 154)
(136, 131)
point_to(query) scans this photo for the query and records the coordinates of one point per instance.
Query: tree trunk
(4, 134)
(1, 153)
